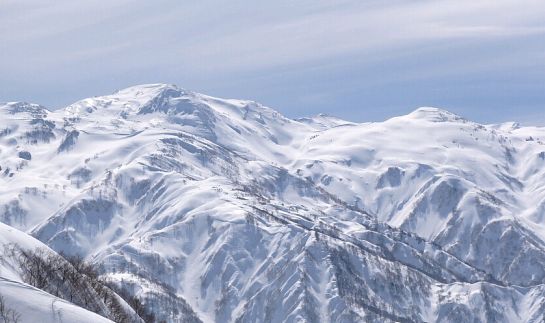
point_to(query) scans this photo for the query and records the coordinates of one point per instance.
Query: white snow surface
(221, 210)
(32, 304)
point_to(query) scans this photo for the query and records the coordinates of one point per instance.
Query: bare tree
(73, 279)
(8, 315)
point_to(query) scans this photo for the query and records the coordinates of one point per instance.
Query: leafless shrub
(77, 281)
(8, 315)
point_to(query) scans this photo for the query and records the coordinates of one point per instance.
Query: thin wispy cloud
(284, 53)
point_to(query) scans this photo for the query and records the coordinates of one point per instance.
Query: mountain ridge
(225, 210)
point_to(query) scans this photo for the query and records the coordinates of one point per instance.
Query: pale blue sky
(360, 60)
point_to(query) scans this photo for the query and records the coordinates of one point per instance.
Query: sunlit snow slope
(30, 303)
(221, 210)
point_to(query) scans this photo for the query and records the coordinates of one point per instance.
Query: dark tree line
(79, 282)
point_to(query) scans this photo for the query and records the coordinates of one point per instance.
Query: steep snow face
(224, 210)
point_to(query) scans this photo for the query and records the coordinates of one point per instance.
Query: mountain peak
(435, 115)
(138, 99)
(154, 89)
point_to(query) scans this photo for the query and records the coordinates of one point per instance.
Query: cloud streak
(296, 55)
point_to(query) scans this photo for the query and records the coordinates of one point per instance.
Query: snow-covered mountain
(220, 210)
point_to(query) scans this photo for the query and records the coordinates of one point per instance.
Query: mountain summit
(221, 210)
(434, 114)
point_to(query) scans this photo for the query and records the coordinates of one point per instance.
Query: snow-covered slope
(224, 210)
(29, 303)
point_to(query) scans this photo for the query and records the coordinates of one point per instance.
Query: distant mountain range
(221, 210)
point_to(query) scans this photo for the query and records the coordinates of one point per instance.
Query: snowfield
(220, 210)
